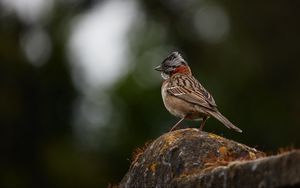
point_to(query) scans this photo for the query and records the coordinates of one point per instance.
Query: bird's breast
(179, 107)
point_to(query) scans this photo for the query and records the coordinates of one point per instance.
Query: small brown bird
(184, 96)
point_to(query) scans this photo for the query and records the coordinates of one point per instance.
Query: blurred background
(79, 93)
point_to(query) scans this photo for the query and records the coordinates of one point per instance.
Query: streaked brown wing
(189, 89)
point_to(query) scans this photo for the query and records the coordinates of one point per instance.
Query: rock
(275, 171)
(193, 158)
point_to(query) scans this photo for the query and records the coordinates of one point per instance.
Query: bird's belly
(181, 108)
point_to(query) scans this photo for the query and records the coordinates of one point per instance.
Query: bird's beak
(158, 68)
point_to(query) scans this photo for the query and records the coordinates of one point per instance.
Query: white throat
(164, 76)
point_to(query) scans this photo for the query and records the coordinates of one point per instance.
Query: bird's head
(174, 63)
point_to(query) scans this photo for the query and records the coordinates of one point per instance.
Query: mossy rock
(178, 155)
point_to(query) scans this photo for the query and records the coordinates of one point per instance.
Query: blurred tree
(36, 110)
(250, 67)
(244, 53)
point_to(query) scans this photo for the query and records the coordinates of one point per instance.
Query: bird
(184, 96)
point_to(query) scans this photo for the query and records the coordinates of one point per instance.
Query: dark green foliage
(253, 74)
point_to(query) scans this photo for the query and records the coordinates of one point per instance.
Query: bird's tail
(216, 114)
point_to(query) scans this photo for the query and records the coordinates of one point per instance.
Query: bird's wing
(189, 89)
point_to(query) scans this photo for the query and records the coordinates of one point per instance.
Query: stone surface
(276, 171)
(191, 158)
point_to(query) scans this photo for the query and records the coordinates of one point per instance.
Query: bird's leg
(202, 123)
(177, 123)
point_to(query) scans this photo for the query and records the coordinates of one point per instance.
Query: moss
(153, 167)
(182, 154)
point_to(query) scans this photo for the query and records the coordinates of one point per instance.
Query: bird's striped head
(172, 64)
